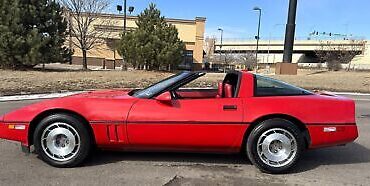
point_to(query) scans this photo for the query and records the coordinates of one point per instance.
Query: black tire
(265, 127)
(71, 123)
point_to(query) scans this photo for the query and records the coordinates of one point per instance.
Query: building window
(187, 63)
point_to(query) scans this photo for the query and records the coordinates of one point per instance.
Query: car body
(166, 117)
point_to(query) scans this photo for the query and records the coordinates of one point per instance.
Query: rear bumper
(14, 131)
(331, 135)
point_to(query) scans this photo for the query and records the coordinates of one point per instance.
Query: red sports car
(270, 121)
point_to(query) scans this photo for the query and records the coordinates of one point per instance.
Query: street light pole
(130, 9)
(124, 15)
(119, 8)
(258, 33)
(221, 38)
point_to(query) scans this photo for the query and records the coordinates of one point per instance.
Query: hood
(104, 94)
(117, 102)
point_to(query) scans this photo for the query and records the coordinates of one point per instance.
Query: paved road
(338, 165)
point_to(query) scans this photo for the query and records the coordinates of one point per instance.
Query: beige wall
(199, 40)
(191, 32)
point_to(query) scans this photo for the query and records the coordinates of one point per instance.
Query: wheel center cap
(275, 146)
(61, 141)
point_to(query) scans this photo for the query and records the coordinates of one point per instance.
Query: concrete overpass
(303, 52)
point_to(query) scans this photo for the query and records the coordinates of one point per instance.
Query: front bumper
(14, 131)
(332, 135)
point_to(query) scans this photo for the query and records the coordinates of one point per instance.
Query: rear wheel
(275, 145)
(62, 140)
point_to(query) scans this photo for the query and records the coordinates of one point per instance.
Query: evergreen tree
(32, 32)
(11, 41)
(154, 44)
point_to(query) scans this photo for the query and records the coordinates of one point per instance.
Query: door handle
(230, 107)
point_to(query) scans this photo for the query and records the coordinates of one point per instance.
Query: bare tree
(334, 54)
(209, 46)
(228, 59)
(357, 47)
(248, 59)
(225, 59)
(88, 29)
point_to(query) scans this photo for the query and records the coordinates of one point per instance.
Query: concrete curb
(37, 96)
(351, 93)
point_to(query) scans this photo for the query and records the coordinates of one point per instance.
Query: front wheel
(275, 146)
(62, 140)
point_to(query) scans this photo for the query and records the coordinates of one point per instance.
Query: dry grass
(330, 81)
(25, 82)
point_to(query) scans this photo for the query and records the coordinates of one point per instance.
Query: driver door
(202, 124)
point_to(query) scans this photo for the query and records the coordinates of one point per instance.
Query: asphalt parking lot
(343, 165)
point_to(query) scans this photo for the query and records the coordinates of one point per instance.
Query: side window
(265, 86)
(204, 87)
(210, 86)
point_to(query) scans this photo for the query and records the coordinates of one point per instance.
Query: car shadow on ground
(105, 157)
(353, 153)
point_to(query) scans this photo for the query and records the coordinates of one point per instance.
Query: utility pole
(290, 32)
(287, 67)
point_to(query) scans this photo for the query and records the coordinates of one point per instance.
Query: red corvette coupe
(273, 122)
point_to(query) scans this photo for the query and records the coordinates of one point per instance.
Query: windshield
(157, 88)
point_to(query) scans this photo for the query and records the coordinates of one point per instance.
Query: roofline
(171, 20)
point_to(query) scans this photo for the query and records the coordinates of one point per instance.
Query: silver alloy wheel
(277, 147)
(60, 141)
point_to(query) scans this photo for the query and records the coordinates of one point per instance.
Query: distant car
(270, 121)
